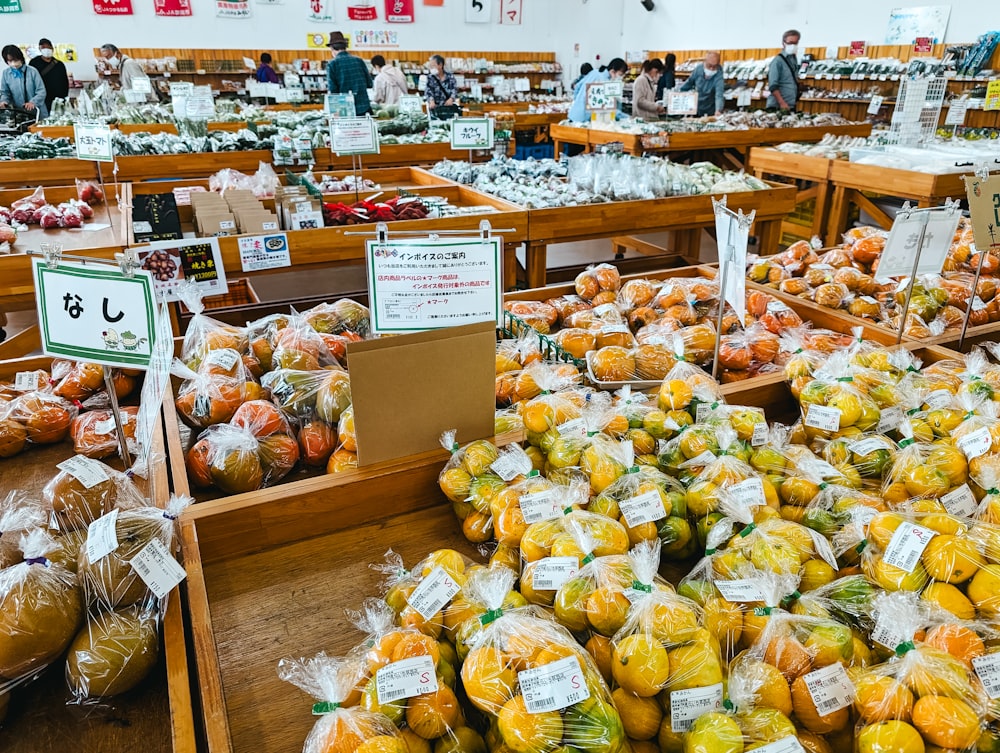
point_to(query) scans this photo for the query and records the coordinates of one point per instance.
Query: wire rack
(918, 108)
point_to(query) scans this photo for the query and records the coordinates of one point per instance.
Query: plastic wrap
(95, 434)
(205, 334)
(85, 489)
(470, 484)
(598, 284)
(40, 418)
(89, 192)
(19, 514)
(212, 394)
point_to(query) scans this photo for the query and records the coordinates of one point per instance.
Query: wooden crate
(157, 717)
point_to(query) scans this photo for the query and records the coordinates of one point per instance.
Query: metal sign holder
(983, 173)
(727, 255)
(381, 233)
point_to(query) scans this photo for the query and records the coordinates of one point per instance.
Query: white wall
(734, 24)
(549, 25)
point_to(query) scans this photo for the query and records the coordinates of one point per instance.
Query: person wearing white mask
(20, 85)
(129, 69)
(708, 81)
(53, 72)
(783, 76)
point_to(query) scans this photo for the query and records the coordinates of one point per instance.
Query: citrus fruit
(640, 665)
(432, 714)
(641, 717)
(882, 698)
(947, 722)
(488, 678)
(889, 737)
(523, 732)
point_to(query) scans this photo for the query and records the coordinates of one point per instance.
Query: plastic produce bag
(470, 484)
(212, 394)
(44, 419)
(19, 514)
(95, 434)
(205, 334)
(85, 489)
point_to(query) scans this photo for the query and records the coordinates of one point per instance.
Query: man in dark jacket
(347, 73)
(53, 73)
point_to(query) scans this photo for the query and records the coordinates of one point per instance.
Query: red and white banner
(365, 12)
(321, 11)
(399, 11)
(113, 7)
(172, 7)
(510, 12)
(233, 8)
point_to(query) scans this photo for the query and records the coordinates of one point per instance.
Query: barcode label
(890, 419)
(823, 418)
(106, 427)
(760, 435)
(704, 410)
(157, 568)
(513, 462)
(644, 508)
(25, 381)
(554, 686)
(960, 501)
(102, 537)
(225, 359)
(405, 679)
(687, 705)
(906, 546)
(975, 443)
(88, 472)
(887, 634)
(740, 591)
(988, 670)
(434, 591)
(551, 573)
(938, 399)
(831, 689)
(868, 445)
(784, 745)
(749, 493)
(575, 428)
(539, 506)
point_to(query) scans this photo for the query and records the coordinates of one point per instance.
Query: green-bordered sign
(421, 284)
(472, 133)
(95, 313)
(93, 142)
(10, 6)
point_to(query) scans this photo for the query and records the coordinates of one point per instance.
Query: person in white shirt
(129, 69)
(390, 83)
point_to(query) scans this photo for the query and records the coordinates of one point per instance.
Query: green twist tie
(728, 705)
(746, 531)
(592, 434)
(679, 357)
(913, 411)
(454, 449)
(568, 510)
(645, 588)
(906, 442)
(490, 616)
(968, 415)
(710, 552)
(913, 369)
(762, 611)
(325, 707)
(533, 473)
(823, 485)
(791, 597)
(862, 546)
(975, 378)
(800, 350)
(845, 379)
(993, 491)
(634, 469)
(904, 648)
(588, 559)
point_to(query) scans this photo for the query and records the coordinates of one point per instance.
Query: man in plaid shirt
(346, 73)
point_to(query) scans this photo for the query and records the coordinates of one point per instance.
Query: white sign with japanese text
(93, 142)
(682, 103)
(410, 103)
(600, 97)
(339, 105)
(421, 284)
(195, 260)
(95, 313)
(354, 136)
(472, 133)
(904, 239)
(478, 11)
(259, 252)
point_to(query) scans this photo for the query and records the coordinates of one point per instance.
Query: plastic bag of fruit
(598, 284)
(923, 469)
(539, 688)
(342, 724)
(96, 435)
(832, 403)
(19, 513)
(537, 378)
(298, 346)
(79, 380)
(641, 500)
(84, 489)
(568, 531)
(45, 419)
(314, 402)
(212, 394)
(343, 316)
(205, 334)
(470, 484)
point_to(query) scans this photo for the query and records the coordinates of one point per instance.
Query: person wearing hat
(347, 73)
(53, 73)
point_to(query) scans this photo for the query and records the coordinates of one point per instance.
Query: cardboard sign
(472, 133)
(95, 313)
(421, 284)
(387, 373)
(984, 207)
(93, 142)
(857, 49)
(354, 136)
(682, 103)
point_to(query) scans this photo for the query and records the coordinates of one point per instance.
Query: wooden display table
(814, 171)
(67, 132)
(685, 216)
(60, 171)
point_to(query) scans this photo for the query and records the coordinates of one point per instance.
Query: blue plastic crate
(535, 151)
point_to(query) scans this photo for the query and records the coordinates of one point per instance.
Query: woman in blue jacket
(21, 85)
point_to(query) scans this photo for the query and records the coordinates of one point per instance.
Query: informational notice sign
(422, 284)
(259, 252)
(194, 260)
(902, 244)
(733, 236)
(984, 208)
(923, 44)
(682, 103)
(992, 95)
(956, 112)
(339, 105)
(472, 133)
(93, 142)
(354, 136)
(95, 313)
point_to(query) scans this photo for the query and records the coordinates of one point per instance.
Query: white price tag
(102, 537)
(434, 591)
(784, 745)
(405, 679)
(975, 443)
(749, 493)
(887, 633)
(704, 410)
(615, 329)
(956, 112)
(823, 418)
(703, 459)
(960, 501)
(157, 568)
(226, 359)
(831, 689)
(512, 462)
(574, 428)
(741, 591)
(867, 446)
(906, 546)
(876, 104)
(687, 705)
(988, 670)
(539, 506)
(25, 381)
(938, 399)
(551, 573)
(644, 508)
(88, 472)
(760, 435)
(777, 307)
(823, 549)
(105, 427)
(554, 686)
(890, 419)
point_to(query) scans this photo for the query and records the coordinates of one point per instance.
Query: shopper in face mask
(20, 85)
(783, 75)
(644, 103)
(53, 73)
(130, 69)
(708, 81)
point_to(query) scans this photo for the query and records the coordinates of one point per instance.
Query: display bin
(241, 293)
(157, 716)
(533, 151)
(58, 171)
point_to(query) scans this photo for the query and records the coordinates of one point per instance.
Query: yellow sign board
(992, 95)
(317, 40)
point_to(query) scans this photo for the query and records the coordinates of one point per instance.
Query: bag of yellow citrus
(833, 405)
(641, 500)
(865, 458)
(342, 726)
(683, 387)
(470, 484)
(536, 379)
(923, 469)
(978, 436)
(539, 688)
(556, 402)
(410, 678)
(835, 508)
(924, 695)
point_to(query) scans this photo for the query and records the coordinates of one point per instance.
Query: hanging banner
(321, 11)
(172, 7)
(362, 12)
(233, 8)
(478, 11)
(10, 6)
(399, 11)
(510, 12)
(113, 7)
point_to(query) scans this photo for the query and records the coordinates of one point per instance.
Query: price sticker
(704, 458)
(784, 745)
(88, 472)
(574, 428)
(554, 686)
(956, 112)
(434, 591)
(687, 705)
(106, 427)
(741, 591)
(823, 418)
(988, 670)
(644, 508)
(704, 410)
(868, 445)
(551, 573)
(823, 548)
(405, 679)
(512, 462)
(539, 506)
(749, 493)
(102, 537)
(938, 399)
(960, 501)
(890, 419)
(157, 568)
(906, 546)
(975, 443)
(25, 381)
(760, 435)
(887, 633)
(831, 689)
(226, 358)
